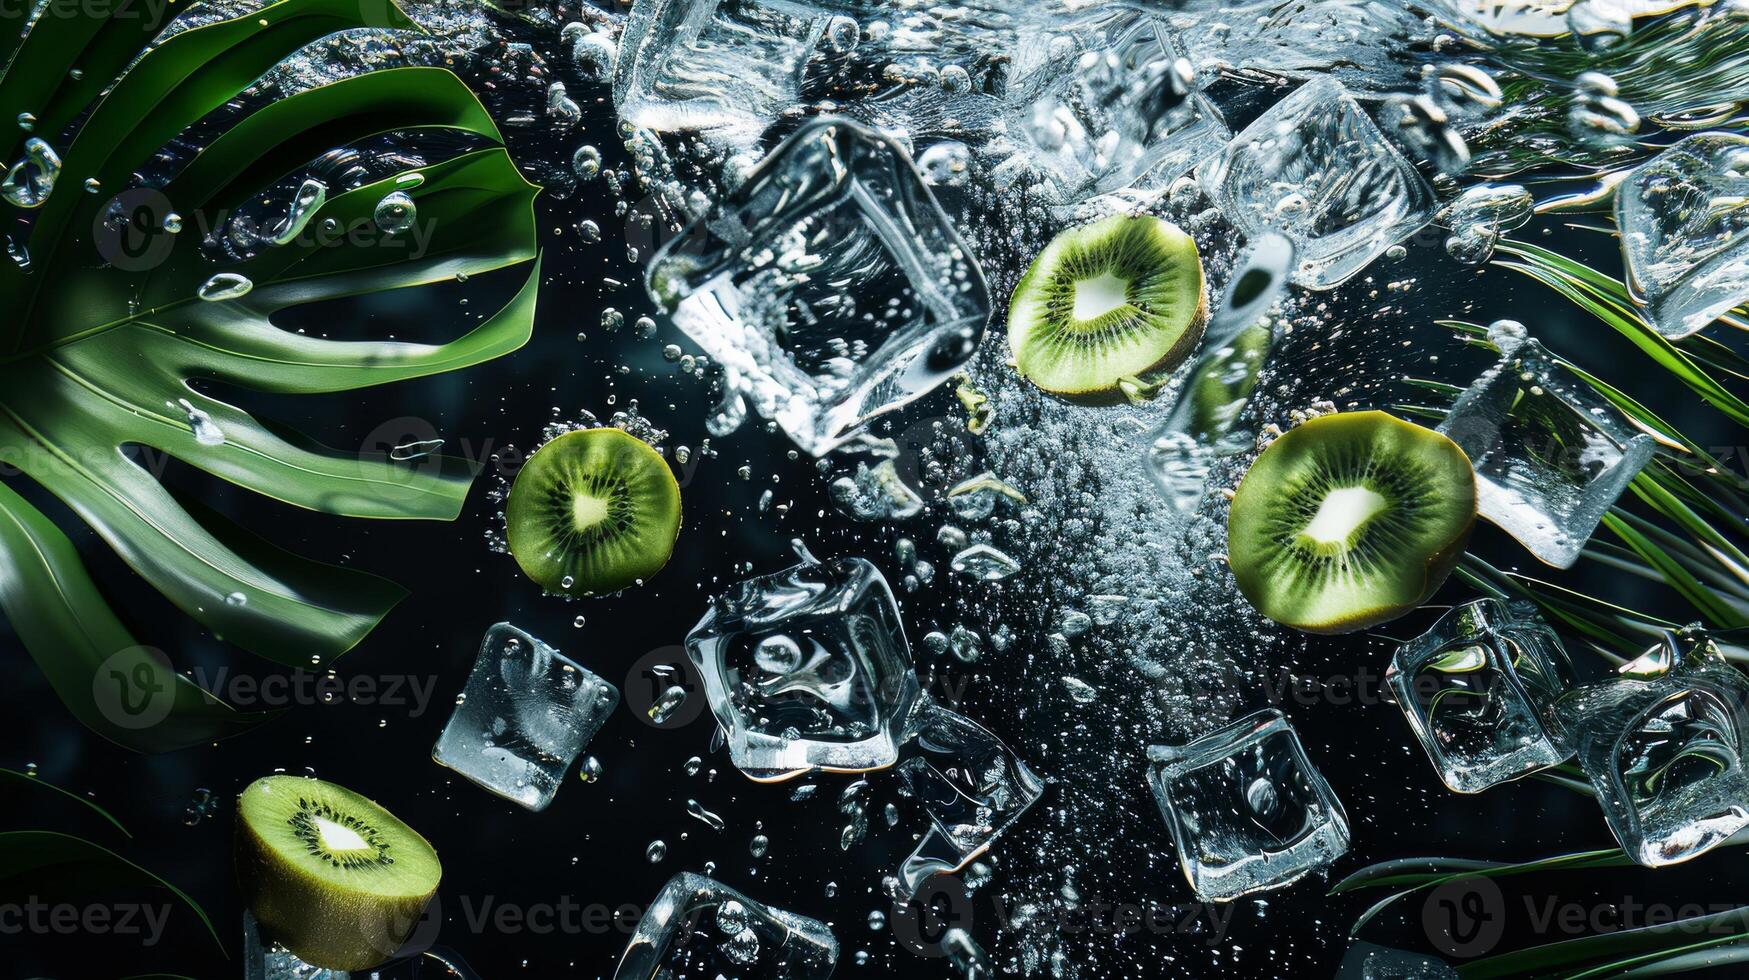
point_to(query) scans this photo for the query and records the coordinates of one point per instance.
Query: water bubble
(843, 34)
(656, 851)
(589, 231)
(30, 181)
(759, 845)
(586, 162)
(590, 771)
(395, 213)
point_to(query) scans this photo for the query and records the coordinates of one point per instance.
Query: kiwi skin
(1254, 577)
(321, 924)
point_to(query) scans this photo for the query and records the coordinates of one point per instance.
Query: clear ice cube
(1664, 752)
(697, 927)
(1684, 220)
(830, 286)
(1101, 99)
(713, 64)
(1318, 170)
(1199, 431)
(1551, 455)
(1479, 690)
(808, 669)
(523, 717)
(973, 787)
(266, 960)
(1247, 809)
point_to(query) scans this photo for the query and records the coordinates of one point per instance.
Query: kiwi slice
(1107, 304)
(331, 875)
(1350, 520)
(593, 511)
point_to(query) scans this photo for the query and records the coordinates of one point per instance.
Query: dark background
(589, 847)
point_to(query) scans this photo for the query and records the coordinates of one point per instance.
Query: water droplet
(224, 286)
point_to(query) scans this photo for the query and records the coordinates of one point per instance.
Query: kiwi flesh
(332, 876)
(1350, 520)
(1107, 306)
(593, 511)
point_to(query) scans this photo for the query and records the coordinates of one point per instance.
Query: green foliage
(100, 351)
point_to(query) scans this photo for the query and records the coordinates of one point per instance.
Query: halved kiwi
(329, 874)
(1106, 304)
(593, 511)
(1350, 520)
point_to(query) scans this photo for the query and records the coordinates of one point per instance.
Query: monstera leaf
(107, 344)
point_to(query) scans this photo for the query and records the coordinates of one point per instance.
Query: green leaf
(1715, 610)
(104, 352)
(94, 665)
(16, 777)
(1577, 283)
(42, 858)
(1609, 954)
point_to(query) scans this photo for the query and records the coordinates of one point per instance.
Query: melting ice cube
(807, 669)
(830, 286)
(525, 714)
(712, 64)
(1316, 169)
(1684, 220)
(267, 960)
(1479, 690)
(1247, 809)
(1665, 754)
(698, 928)
(1551, 455)
(973, 786)
(1102, 99)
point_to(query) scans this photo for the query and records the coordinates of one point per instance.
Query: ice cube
(1247, 809)
(713, 64)
(807, 669)
(1684, 220)
(973, 786)
(1551, 455)
(697, 927)
(1479, 690)
(1101, 99)
(829, 286)
(267, 960)
(525, 714)
(1665, 753)
(1317, 169)
(1199, 431)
